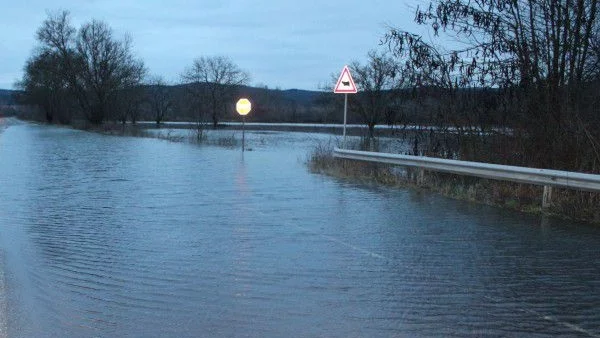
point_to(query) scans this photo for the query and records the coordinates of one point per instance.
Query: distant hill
(268, 105)
(301, 97)
(290, 105)
(7, 97)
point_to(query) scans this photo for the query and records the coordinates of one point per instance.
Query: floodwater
(114, 236)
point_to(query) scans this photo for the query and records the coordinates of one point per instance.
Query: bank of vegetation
(565, 203)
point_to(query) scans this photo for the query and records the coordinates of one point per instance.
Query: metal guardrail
(545, 177)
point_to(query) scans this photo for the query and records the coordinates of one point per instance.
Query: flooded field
(120, 236)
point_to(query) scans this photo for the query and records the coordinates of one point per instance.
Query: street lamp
(243, 107)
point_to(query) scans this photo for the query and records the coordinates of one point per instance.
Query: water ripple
(105, 236)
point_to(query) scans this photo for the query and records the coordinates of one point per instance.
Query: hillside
(7, 97)
(268, 105)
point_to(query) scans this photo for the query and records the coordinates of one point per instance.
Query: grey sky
(281, 44)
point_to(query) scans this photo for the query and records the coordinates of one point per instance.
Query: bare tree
(593, 64)
(538, 52)
(378, 81)
(506, 42)
(57, 36)
(105, 66)
(44, 85)
(214, 82)
(128, 103)
(48, 73)
(159, 98)
(93, 63)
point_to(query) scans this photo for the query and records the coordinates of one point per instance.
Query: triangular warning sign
(345, 84)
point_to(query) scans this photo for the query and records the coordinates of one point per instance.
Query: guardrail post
(547, 197)
(421, 177)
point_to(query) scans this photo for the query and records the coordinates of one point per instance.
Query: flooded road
(112, 236)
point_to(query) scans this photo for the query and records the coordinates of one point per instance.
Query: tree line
(89, 73)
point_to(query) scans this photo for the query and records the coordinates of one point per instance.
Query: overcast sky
(292, 44)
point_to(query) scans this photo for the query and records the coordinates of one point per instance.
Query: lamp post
(243, 107)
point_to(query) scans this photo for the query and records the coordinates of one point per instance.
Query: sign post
(243, 107)
(345, 85)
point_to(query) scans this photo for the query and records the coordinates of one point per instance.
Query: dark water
(107, 236)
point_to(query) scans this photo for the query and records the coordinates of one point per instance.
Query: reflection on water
(266, 140)
(107, 236)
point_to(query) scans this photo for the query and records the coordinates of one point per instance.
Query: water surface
(113, 236)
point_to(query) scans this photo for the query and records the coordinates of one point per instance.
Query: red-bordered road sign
(345, 84)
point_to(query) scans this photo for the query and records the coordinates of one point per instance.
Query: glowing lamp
(243, 106)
